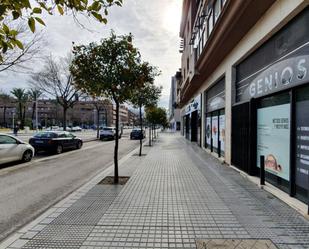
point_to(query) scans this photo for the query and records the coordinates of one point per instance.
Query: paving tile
(178, 195)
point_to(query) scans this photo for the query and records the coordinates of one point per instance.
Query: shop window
(302, 143)
(273, 138)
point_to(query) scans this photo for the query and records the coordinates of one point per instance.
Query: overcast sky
(154, 24)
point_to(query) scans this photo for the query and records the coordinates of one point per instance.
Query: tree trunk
(20, 112)
(64, 118)
(141, 138)
(149, 130)
(116, 178)
(32, 115)
(98, 123)
(4, 117)
(23, 118)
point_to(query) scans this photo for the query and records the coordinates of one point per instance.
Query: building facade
(174, 111)
(244, 89)
(50, 113)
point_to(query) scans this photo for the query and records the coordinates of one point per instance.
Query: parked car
(53, 128)
(12, 149)
(137, 133)
(109, 133)
(55, 141)
(76, 128)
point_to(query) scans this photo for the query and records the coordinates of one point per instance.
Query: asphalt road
(26, 190)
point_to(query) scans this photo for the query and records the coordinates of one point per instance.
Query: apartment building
(174, 111)
(244, 90)
(50, 113)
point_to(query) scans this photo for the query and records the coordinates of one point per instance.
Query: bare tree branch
(56, 80)
(19, 60)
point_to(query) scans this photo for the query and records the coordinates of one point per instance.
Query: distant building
(174, 111)
(50, 113)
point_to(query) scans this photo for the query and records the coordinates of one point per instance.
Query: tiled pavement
(176, 196)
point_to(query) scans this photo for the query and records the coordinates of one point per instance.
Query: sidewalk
(177, 196)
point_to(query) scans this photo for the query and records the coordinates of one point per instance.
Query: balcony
(217, 33)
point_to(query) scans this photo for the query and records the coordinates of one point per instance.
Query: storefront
(192, 120)
(215, 118)
(270, 116)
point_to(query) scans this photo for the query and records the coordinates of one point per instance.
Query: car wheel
(27, 156)
(79, 145)
(59, 149)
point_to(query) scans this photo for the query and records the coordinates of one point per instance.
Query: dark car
(55, 141)
(137, 133)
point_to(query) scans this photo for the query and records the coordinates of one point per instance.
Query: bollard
(219, 148)
(308, 194)
(211, 147)
(262, 170)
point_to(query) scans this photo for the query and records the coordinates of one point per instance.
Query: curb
(15, 240)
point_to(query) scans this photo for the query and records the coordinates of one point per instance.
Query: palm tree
(6, 99)
(22, 97)
(34, 94)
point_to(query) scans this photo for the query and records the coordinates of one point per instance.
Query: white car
(13, 149)
(76, 128)
(108, 133)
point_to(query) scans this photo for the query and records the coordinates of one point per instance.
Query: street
(26, 190)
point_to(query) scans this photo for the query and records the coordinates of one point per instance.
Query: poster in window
(273, 139)
(222, 132)
(302, 143)
(208, 131)
(214, 131)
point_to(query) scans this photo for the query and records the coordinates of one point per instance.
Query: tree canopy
(111, 68)
(108, 68)
(32, 11)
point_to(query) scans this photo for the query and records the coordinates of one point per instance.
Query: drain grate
(235, 244)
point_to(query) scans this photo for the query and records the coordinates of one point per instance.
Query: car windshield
(46, 135)
(107, 129)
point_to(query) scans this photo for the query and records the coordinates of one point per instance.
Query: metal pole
(211, 145)
(262, 170)
(13, 121)
(36, 114)
(308, 194)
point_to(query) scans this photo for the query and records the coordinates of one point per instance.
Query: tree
(18, 60)
(32, 11)
(107, 69)
(5, 99)
(156, 116)
(34, 94)
(148, 95)
(22, 98)
(56, 80)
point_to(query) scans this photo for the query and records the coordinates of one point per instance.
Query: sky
(154, 25)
